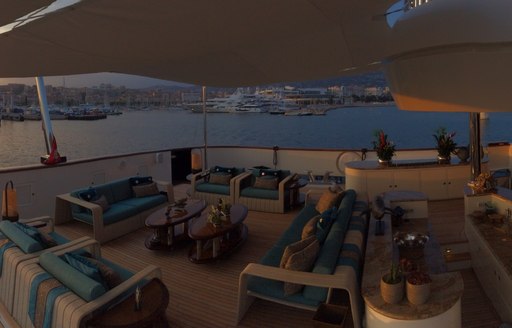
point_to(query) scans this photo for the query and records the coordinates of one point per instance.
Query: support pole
(205, 130)
(475, 148)
(45, 115)
(52, 155)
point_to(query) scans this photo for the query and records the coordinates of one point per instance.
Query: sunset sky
(88, 80)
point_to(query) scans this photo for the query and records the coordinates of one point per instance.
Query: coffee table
(213, 242)
(164, 221)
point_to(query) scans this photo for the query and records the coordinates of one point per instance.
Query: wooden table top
(160, 219)
(203, 230)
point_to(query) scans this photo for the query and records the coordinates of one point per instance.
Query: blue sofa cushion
(106, 191)
(88, 195)
(213, 188)
(41, 237)
(329, 253)
(86, 267)
(135, 181)
(144, 203)
(252, 192)
(80, 284)
(120, 189)
(26, 243)
(116, 213)
(324, 224)
(230, 170)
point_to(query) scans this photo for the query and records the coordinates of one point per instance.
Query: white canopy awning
(14, 9)
(204, 42)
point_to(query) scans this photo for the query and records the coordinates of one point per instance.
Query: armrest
(298, 277)
(167, 187)
(197, 177)
(48, 221)
(236, 182)
(145, 274)
(285, 183)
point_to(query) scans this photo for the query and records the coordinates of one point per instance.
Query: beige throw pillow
(144, 190)
(310, 227)
(103, 202)
(265, 183)
(328, 200)
(220, 178)
(301, 261)
(295, 247)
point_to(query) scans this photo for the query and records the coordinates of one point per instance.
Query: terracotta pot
(391, 293)
(443, 159)
(417, 294)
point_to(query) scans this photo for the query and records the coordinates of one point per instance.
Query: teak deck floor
(205, 295)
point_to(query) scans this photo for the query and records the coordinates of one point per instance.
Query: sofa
(74, 295)
(216, 183)
(265, 190)
(115, 208)
(22, 241)
(337, 265)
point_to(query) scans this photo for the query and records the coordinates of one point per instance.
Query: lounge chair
(216, 183)
(265, 190)
(82, 298)
(18, 247)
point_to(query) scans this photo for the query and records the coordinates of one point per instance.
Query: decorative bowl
(410, 239)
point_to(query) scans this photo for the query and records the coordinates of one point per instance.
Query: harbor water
(22, 143)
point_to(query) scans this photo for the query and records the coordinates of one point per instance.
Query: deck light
(9, 203)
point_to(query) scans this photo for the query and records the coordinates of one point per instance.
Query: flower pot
(384, 162)
(417, 294)
(391, 293)
(442, 159)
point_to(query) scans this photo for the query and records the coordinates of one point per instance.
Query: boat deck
(205, 295)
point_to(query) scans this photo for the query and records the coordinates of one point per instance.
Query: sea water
(22, 143)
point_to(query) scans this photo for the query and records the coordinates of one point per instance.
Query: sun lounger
(19, 247)
(77, 297)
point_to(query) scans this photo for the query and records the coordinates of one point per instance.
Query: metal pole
(475, 148)
(205, 130)
(45, 115)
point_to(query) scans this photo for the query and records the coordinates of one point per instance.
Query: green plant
(394, 276)
(418, 278)
(385, 149)
(445, 143)
(215, 216)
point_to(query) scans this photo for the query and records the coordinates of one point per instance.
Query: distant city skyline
(89, 80)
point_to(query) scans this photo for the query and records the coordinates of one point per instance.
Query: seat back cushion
(79, 283)
(26, 243)
(329, 253)
(222, 178)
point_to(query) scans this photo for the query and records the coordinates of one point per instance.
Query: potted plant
(445, 145)
(392, 286)
(418, 287)
(215, 216)
(384, 148)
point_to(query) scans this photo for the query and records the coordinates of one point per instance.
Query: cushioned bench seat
(76, 296)
(337, 266)
(217, 183)
(22, 248)
(259, 192)
(114, 208)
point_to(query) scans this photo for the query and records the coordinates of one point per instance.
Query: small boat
(14, 114)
